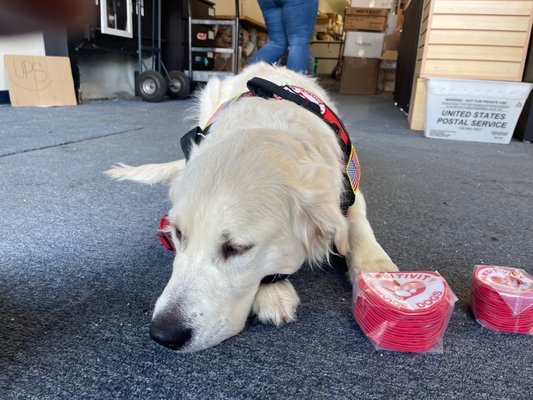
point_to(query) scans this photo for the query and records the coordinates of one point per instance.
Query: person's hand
(23, 16)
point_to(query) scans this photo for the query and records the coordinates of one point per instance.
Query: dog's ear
(319, 221)
(147, 173)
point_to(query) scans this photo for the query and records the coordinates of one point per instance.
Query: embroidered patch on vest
(353, 170)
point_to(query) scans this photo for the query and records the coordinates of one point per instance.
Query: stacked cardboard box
(365, 24)
(389, 58)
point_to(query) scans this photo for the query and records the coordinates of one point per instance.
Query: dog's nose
(169, 333)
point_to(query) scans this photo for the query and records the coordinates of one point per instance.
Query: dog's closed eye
(229, 250)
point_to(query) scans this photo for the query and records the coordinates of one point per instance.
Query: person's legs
(277, 38)
(300, 17)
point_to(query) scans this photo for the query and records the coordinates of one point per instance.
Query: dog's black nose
(167, 332)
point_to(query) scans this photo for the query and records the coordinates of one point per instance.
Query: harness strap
(262, 88)
(275, 278)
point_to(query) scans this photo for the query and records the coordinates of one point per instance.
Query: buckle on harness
(195, 135)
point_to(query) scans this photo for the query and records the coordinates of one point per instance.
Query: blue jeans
(290, 24)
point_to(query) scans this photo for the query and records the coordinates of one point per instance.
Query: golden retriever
(259, 195)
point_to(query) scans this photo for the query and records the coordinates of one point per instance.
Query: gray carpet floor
(80, 268)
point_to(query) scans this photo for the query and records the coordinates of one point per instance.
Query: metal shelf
(204, 76)
(213, 49)
(211, 22)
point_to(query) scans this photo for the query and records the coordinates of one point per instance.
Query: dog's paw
(383, 264)
(276, 303)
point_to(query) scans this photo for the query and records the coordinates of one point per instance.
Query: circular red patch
(403, 311)
(502, 299)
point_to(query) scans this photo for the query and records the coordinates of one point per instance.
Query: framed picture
(116, 17)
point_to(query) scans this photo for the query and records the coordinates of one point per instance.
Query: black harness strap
(274, 278)
(262, 88)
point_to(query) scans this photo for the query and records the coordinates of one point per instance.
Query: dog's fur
(260, 195)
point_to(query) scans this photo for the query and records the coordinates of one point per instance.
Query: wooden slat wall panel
(484, 38)
(481, 22)
(473, 69)
(485, 7)
(427, 8)
(420, 53)
(417, 108)
(468, 52)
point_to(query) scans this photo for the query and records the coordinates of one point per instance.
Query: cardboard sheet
(39, 81)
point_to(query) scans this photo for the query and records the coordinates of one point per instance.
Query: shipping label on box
(365, 23)
(373, 3)
(365, 19)
(367, 12)
(475, 111)
(39, 81)
(363, 44)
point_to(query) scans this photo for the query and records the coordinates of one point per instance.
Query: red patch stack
(164, 237)
(502, 299)
(403, 311)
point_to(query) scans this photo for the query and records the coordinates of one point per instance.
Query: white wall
(31, 44)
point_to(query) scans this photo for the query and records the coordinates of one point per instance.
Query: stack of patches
(164, 235)
(403, 311)
(502, 299)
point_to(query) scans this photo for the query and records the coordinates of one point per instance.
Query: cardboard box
(324, 66)
(391, 44)
(363, 44)
(322, 20)
(359, 75)
(389, 86)
(39, 81)
(326, 49)
(374, 3)
(474, 111)
(248, 9)
(387, 80)
(366, 19)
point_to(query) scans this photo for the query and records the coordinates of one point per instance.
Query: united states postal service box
(473, 110)
(374, 3)
(363, 44)
(39, 81)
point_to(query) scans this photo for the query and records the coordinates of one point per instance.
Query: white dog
(260, 195)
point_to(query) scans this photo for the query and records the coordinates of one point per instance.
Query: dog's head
(237, 216)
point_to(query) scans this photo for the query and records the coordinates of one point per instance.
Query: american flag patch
(353, 170)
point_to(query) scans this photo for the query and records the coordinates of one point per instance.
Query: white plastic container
(473, 110)
(363, 44)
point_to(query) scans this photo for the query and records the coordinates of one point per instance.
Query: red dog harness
(258, 87)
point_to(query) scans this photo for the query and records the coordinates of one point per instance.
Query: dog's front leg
(276, 303)
(365, 254)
